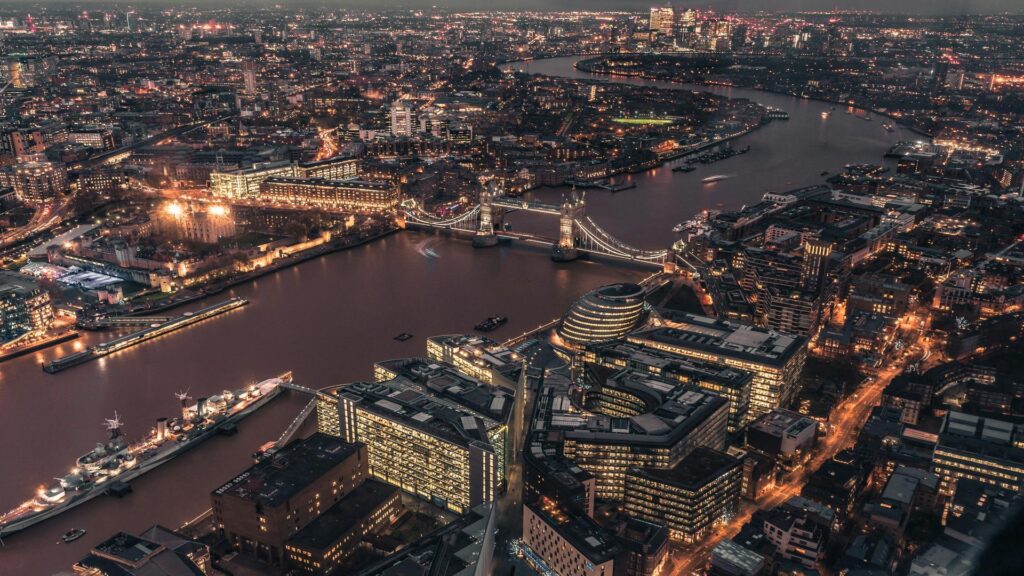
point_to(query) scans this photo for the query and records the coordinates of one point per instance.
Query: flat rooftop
(278, 478)
(696, 470)
(724, 338)
(344, 515)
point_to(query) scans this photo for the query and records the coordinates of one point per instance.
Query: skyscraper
(662, 20)
(249, 76)
(401, 119)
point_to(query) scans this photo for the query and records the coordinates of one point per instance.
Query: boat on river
(116, 461)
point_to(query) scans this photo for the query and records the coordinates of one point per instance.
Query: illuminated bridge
(577, 232)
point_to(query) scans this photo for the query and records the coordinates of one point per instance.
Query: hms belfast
(116, 461)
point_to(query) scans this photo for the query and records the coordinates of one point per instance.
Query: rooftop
(348, 512)
(696, 470)
(726, 338)
(274, 480)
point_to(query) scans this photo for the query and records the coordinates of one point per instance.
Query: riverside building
(429, 429)
(730, 383)
(333, 195)
(263, 507)
(608, 313)
(774, 359)
(641, 422)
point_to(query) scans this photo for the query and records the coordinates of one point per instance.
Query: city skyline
(656, 291)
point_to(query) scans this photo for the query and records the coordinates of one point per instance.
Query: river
(330, 318)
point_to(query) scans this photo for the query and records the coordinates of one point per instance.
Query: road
(847, 419)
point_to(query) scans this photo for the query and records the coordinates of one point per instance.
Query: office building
(639, 422)
(430, 430)
(244, 184)
(978, 448)
(477, 357)
(263, 507)
(565, 544)
(774, 359)
(689, 498)
(662, 20)
(25, 308)
(335, 168)
(332, 195)
(730, 383)
(40, 182)
(324, 544)
(608, 313)
(403, 118)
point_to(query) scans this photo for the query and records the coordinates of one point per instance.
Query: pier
(129, 340)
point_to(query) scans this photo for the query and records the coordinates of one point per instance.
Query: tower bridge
(577, 233)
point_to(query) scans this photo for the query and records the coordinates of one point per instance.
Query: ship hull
(142, 468)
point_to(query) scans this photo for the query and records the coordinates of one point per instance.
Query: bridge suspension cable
(421, 217)
(616, 247)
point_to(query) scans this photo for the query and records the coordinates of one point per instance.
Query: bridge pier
(572, 209)
(485, 236)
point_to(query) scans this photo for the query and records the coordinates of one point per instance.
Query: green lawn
(655, 121)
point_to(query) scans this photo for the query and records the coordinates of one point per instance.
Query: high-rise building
(775, 359)
(403, 119)
(249, 77)
(430, 430)
(815, 264)
(662, 20)
(689, 498)
(643, 422)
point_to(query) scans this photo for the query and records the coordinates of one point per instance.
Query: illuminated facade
(976, 448)
(690, 498)
(649, 423)
(205, 223)
(336, 168)
(325, 543)
(545, 532)
(477, 357)
(24, 307)
(245, 184)
(608, 313)
(774, 359)
(40, 182)
(730, 383)
(337, 195)
(430, 431)
(662, 20)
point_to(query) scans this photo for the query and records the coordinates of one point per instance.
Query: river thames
(329, 319)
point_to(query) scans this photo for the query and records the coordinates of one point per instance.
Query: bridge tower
(485, 235)
(573, 208)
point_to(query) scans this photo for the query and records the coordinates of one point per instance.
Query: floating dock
(129, 340)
